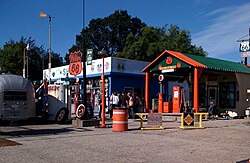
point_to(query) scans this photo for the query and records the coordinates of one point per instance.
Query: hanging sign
(75, 64)
(245, 49)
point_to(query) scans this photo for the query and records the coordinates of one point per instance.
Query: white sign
(161, 78)
(244, 46)
(245, 49)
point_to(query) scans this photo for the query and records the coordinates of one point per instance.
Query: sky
(215, 25)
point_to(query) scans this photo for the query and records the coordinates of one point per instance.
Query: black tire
(61, 116)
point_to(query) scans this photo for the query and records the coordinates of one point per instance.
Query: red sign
(169, 60)
(75, 64)
(178, 65)
(160, 77)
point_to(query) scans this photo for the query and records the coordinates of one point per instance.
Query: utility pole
(82, 48)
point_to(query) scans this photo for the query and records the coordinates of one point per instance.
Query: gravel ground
(221, 141)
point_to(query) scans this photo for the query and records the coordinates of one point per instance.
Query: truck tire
(61, 116)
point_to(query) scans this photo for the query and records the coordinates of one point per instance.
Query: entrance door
(212, 95)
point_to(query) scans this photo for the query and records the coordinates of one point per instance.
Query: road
(221, 141)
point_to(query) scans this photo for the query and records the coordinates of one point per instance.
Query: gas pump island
(170, 71)
(178, 103)
(183, 73)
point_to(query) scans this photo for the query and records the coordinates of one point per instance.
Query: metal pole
(24, 57)
(103, 93)
(84, 76)
(27, 61)
(249, 45)
(49, 65)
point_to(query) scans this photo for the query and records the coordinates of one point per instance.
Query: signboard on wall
(111, 64)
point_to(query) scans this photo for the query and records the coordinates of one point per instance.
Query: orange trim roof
(178, 55)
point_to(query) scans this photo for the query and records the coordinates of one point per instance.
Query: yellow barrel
(120, 119)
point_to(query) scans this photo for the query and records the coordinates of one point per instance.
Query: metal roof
(201, 61)
(220, 65)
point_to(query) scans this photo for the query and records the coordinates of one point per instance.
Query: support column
(147, 79)
(196, 89)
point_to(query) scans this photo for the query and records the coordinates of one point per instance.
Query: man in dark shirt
(123, 100)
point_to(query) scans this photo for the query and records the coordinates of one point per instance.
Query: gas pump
(178, 99)
(77, 108)
(75, 97)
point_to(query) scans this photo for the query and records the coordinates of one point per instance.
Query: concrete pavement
(221, 141)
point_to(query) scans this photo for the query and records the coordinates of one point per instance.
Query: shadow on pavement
(24, 131)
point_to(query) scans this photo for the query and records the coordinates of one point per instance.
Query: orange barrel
(120, 119)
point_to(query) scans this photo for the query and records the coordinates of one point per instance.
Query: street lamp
(44, 15)
(25, 60)
(103, 53)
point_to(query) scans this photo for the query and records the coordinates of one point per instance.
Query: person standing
(131, 106)
(114, 101)
(123, 100)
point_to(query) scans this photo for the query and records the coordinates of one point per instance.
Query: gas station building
(224, 84)
(121, 75)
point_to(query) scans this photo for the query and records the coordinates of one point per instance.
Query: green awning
(220, 65)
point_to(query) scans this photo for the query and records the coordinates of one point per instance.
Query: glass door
(212, 95)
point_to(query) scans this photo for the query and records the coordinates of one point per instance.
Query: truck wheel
(61, 116)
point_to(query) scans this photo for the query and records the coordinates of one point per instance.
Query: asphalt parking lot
(221, 141)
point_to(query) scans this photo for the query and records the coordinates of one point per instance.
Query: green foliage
(124, 36)
(12, 55)
(109, 33)
(153, 41)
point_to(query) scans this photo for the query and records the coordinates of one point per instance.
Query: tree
(12, 53)
(127, 37)
(109, 33)
(153, 41)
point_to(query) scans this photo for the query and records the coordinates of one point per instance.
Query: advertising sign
(245, 49)
(89, 56)
(75, 65)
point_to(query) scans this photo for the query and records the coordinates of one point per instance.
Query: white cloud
(219, 39)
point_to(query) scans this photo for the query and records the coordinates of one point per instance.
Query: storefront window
(227, 95)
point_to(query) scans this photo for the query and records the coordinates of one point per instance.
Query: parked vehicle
(17, 98)
(60, 102)
(55, 102)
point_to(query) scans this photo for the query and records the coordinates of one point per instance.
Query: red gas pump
(178, 99)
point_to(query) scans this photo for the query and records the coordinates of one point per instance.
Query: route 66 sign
(75, 64)
(244, 46)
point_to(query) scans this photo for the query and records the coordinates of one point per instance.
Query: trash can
(120, 119)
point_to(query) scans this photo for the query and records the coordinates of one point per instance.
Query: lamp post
(25, 60)
(103, 52)
(44, 15)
